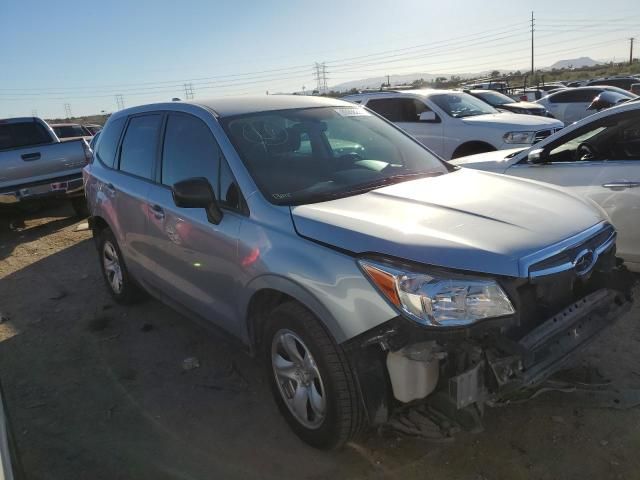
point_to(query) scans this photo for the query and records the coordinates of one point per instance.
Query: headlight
(437, 300)
(519, 137)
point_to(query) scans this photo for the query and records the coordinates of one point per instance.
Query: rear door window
(398, 109)
(24, 134)
(108, 141)
(140, 145)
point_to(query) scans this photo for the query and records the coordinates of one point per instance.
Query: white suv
(455, 124)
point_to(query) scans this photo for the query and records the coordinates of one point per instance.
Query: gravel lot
(98, 391)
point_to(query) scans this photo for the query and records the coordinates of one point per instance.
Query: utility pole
(67, 110)
(188, 91)
(631, 50)
(120, 101)
(321, 76)
(533, 24)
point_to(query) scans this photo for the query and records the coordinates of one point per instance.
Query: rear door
(602, 162)
(137, 157)
(405, 112)
(195, 262)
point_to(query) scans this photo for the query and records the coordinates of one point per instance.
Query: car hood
(466, 220)
(513, 120)
(498, 160)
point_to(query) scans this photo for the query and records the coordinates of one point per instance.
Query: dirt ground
(97, 391)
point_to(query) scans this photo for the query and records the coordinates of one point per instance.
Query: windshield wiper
(366, 187)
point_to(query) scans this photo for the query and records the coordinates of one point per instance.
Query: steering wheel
(585, 151)
(347, 160)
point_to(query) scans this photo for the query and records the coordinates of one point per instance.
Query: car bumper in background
(69, 186)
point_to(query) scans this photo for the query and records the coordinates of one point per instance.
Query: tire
(121, 286)
(333, 413)
(79, 205)
(472, 149)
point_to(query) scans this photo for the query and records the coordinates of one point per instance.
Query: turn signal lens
(385, 281)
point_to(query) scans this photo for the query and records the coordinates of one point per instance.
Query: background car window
(139, 146)
(615, 138)
(398, 109)
(190, 150)
(70, 131)
(574, 96)
(108, 141)
(16, 135)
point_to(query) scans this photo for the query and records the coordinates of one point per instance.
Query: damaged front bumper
(480, 365)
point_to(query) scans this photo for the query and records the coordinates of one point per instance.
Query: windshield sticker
(352, 112)
(280, 196)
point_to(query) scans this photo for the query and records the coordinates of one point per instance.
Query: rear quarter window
(108, 141)
(140, 145)
(24, 134)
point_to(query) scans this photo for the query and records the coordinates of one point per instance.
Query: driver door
(602, 162)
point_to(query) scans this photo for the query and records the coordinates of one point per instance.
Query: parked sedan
(572, 104)
(598, 157)
(503, 102)
(621, 82)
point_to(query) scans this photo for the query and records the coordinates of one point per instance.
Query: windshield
(494, 98)
(67, 131)
(315, 154)
(460, 105)
(621, 91)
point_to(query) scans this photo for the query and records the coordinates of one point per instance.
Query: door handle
(157, 211)
(28, 157)
(621, 185)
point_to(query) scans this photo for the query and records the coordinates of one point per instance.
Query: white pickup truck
(35, 165)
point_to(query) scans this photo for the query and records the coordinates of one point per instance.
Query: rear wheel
(310, 378)
(119, 283)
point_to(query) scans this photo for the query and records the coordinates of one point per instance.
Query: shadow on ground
(98, 391)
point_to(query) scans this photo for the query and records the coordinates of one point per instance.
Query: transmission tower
(321, 76)
(67, 110)
(34, 113)
(188, 91)
(120, 101)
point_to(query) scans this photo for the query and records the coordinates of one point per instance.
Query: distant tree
(495, 73)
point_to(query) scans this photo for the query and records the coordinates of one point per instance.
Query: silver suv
(365, 272)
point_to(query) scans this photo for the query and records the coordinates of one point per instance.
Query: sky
(83, 54)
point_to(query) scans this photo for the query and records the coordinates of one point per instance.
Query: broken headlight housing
(436, 299)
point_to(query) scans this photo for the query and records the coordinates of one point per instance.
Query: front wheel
(310, 378)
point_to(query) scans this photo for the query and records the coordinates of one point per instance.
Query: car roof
(419, 92)
(64, 124)
(240, 105)
(230, 106)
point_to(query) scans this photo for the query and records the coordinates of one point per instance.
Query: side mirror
(429, 116)
(537, 156)
(197, 193)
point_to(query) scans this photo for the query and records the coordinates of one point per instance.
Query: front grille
(554, 282)
(599, 244)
